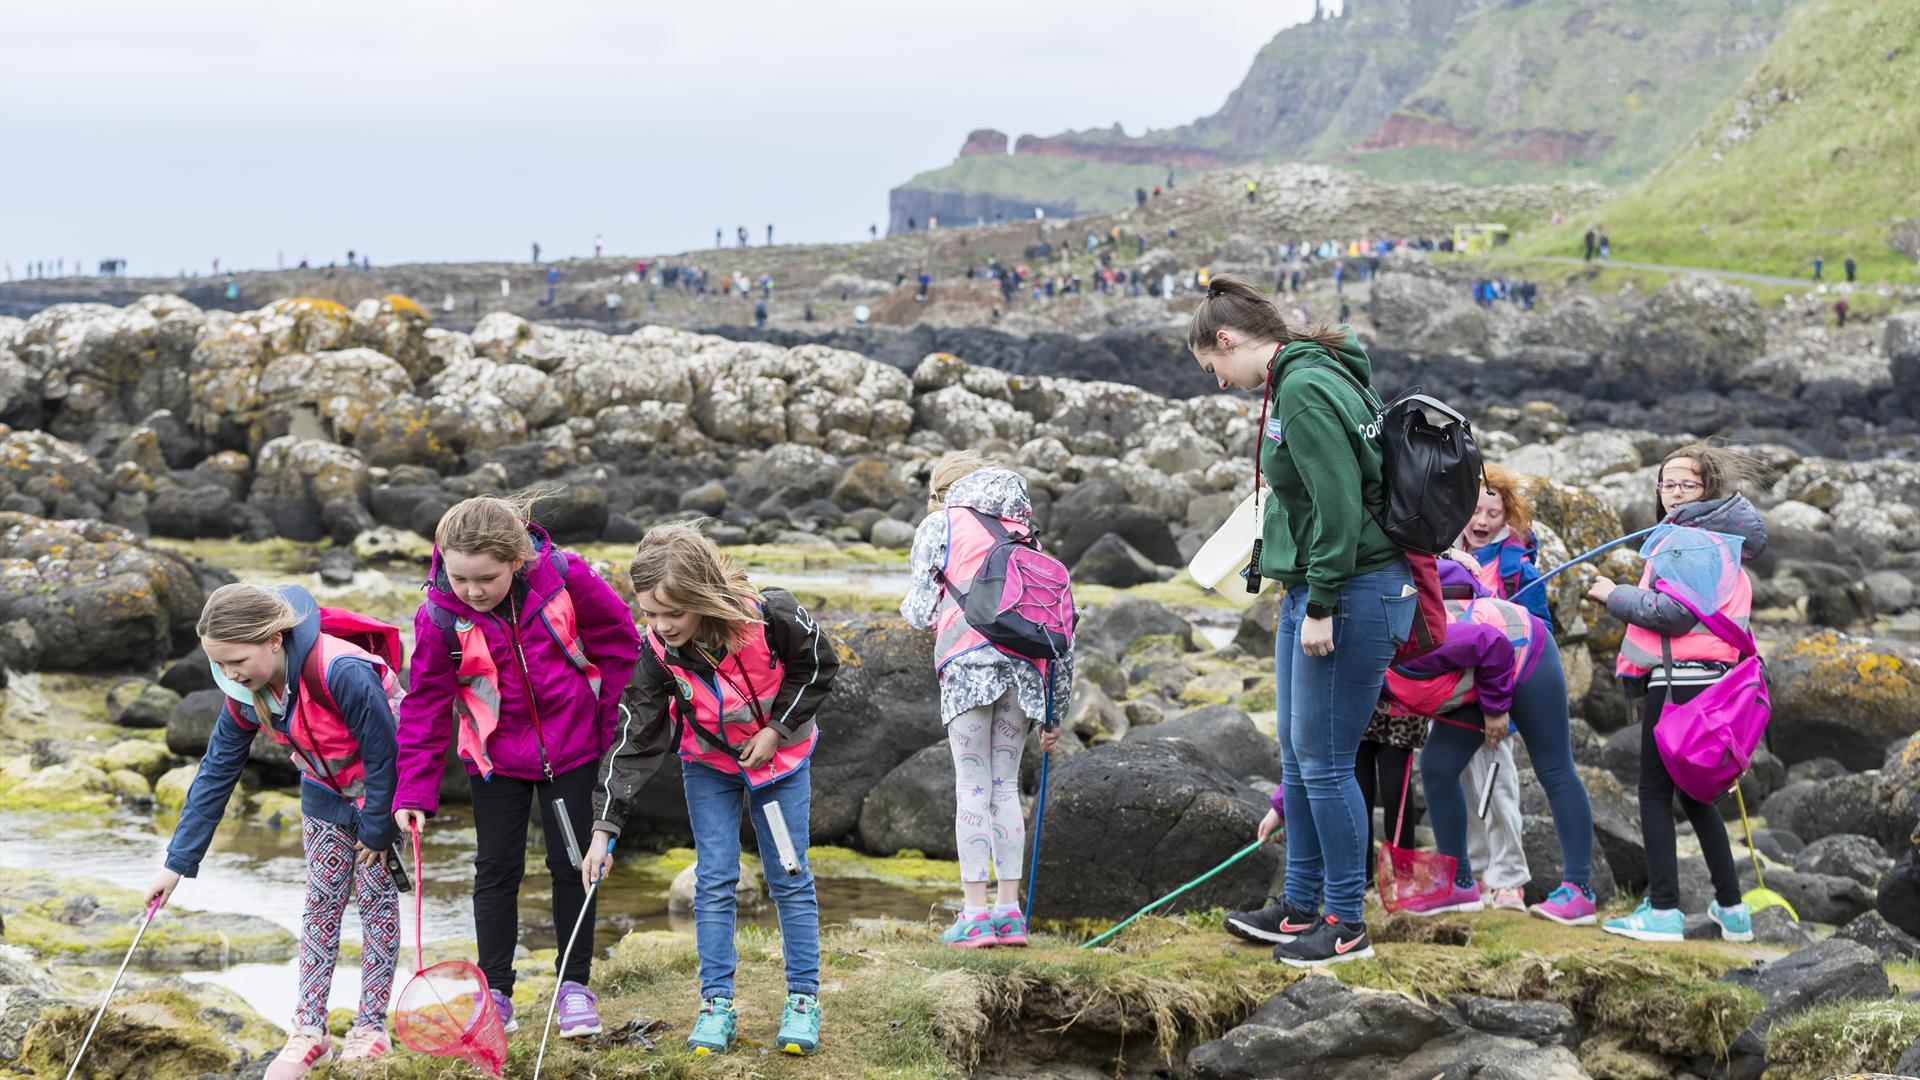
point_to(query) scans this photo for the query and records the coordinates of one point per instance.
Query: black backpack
(1430, 466)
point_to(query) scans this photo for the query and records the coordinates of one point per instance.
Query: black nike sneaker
(1329, 942)
(1277, 923)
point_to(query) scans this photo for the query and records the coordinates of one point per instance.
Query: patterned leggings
(331, 875)
(988, 822)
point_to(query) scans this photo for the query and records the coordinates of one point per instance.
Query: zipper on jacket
(533, 705)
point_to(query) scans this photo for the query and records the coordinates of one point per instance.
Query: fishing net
(1404, 875)
(446, 1010)
(1701, 564)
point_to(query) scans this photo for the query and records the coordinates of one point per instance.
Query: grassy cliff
(1818, 153)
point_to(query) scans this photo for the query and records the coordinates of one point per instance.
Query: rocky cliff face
(1470, 90)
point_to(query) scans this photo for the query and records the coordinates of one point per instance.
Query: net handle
(1406, 781)
(419, 901)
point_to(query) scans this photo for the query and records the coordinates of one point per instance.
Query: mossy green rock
(127, 784)
(87, 921)
(170, 791)
(61, 787)
(149, 759)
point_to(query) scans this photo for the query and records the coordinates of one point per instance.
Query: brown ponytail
(1235, 303)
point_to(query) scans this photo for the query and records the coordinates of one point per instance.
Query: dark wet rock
(912, 807)
(1846, 856)
(1222, 734)
(1130, 821)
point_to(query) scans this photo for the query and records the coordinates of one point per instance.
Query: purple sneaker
(1568, 905)
(579, 1012)
(1454, 899)
(503, 1005)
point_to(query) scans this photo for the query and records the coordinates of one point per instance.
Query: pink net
(445, 1010)
(1406, 874)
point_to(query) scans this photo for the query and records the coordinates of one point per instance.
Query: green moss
(1853, 1036)
(908, 868)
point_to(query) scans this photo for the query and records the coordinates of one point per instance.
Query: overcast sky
(169, 134)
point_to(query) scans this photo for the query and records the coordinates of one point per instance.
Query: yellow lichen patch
(302, 305)
(401, 305)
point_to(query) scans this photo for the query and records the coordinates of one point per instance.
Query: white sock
(1666, 911)
(971, 912)
(1006, 909)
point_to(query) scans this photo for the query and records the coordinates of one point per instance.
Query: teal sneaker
(970, 933)
(1010, 928)
(1736, 922)
(799, 1025)
(713, 1028)
(1646, 924)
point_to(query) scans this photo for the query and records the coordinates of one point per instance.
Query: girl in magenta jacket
(520, 655)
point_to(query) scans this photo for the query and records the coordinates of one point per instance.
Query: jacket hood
(541, 578)
(1000, 492)
(1349, 356)
(1733, 515)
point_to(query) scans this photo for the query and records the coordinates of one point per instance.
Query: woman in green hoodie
(1349, 599)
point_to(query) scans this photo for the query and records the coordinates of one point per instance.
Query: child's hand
(1049, 737)
(760, 748)
(1268, 825)
(365, 855)
(598, 860)
(160, 887)
(1602, 588)
(1460, 556)
(410, 821)
(1496, 726)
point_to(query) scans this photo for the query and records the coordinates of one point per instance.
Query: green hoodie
(1320, 525)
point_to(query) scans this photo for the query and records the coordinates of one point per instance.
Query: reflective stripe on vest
(476, 704)
(1449, 690)
(324, 749)
(721, 707)
(1640, 649)
(968, 544)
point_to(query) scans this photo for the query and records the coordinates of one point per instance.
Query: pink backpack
(1708, 742)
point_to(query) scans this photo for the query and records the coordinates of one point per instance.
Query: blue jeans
(1540, 714)
(1325, 703)
(713, 808)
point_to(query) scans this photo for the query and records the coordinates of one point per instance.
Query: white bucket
(1218, 563)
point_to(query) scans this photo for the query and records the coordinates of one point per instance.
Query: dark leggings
(1389, 765)
(1540, 714)
(502, 807)
(1657, 792)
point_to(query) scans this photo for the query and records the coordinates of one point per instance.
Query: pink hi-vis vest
(732, 701)
(476, 705)
(324, 749)
(968, 544)
(1640, 650)
(1449, 690)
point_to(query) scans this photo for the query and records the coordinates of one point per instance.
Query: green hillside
(1090, 186)
(1818, 153)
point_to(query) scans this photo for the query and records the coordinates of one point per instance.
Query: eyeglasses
(1680, 487)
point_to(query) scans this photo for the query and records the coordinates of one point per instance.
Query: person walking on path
(1590, 244)
(1818, 264)
(1850, 266)
(1350, 600)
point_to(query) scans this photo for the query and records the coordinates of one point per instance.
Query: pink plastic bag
(1706, 743)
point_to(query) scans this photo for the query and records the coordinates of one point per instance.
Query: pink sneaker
(1454, 899)
(1568, 905)
(1508, 900)
(366, 1044)
(306, 1048)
